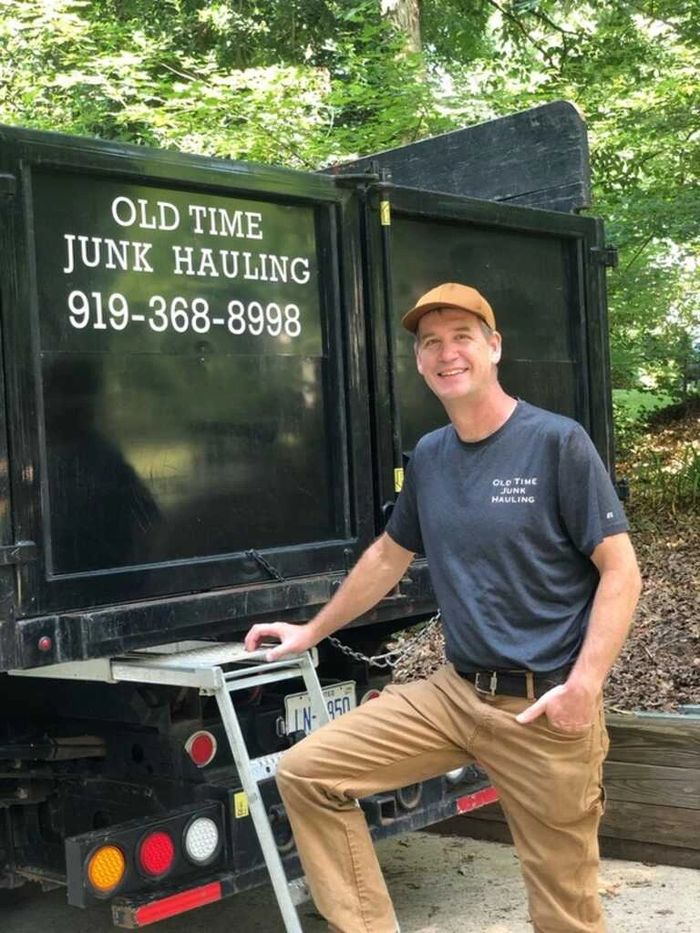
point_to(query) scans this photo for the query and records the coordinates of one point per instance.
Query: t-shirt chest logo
(514, 489)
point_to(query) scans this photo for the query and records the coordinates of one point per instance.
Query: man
(537, 583)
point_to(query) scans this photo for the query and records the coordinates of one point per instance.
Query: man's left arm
(570, 707)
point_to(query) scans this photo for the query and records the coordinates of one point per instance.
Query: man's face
(454, 356)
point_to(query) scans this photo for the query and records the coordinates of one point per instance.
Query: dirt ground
(439, 885)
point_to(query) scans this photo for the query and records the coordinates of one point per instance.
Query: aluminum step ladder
(219, 670)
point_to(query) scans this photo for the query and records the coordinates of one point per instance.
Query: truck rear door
(541, 273)
(182, 372)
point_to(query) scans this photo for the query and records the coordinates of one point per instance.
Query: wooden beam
(648, 852)
(652, 784)
(655, 741)
(671, 826)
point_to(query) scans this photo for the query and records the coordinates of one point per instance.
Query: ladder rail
(313, 688)
(257, 807)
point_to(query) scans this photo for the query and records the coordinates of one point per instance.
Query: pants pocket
(562, 733)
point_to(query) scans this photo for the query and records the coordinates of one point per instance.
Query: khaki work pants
(549, 784)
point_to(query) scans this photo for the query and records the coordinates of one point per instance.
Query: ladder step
(198, 664)
(204, 655)
(265, 766)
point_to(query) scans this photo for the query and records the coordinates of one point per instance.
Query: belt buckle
(493, 683)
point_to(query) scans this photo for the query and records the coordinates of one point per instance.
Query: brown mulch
(659, 667)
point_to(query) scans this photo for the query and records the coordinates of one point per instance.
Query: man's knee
(300, 763)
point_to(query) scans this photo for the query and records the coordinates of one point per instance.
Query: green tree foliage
(306, 82)
(294, 83)
(632, 68)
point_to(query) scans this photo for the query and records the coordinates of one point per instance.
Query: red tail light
(156, 854)
(177, 904)
(201, 747)
(371, 694)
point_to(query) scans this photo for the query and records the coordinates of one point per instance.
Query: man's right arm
(376, 573)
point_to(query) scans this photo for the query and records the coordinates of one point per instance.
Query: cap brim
(411, 318)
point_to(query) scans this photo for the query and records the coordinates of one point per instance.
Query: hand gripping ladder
(219, 670)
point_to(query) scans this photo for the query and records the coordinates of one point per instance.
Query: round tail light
(201, 840)
(201, 747)
(371, 694)
(456, 775)
(105, 869)
(156, 854)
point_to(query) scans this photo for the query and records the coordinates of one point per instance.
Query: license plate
(340, 698)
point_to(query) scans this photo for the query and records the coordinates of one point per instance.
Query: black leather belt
(515, 683)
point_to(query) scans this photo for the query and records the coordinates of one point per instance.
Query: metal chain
(389, 659)
(265, 564)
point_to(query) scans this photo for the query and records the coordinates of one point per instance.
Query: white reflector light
(201, 840)
(456, 775)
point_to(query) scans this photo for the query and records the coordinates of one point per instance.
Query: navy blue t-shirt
(508, 525)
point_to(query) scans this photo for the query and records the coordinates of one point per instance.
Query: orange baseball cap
(449, 295)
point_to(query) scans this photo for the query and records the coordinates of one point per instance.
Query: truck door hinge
(355, 179)
(8, 186)
(21, 553)
(606, 255)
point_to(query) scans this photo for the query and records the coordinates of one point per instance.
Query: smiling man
(452, 359)
(537, 583)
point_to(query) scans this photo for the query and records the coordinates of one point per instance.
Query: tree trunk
(405, 15)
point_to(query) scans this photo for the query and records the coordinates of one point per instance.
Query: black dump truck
(206, 407)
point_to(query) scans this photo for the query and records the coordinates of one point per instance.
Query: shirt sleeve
(588, 503)
(404, 522)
